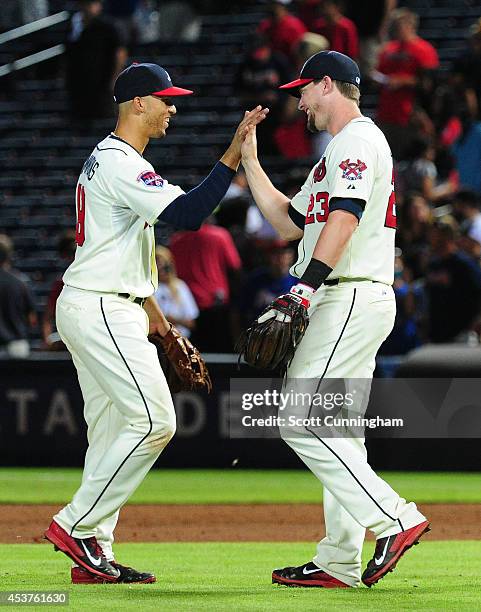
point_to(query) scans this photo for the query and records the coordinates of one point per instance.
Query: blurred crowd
(431, 118)
(102, 35)
(213, 282)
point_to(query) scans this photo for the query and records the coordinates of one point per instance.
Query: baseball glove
(270, 342)
(183, 366)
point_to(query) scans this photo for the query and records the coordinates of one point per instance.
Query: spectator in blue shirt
(453, 287)
(405, 335)
(267, 282)
(466, 151)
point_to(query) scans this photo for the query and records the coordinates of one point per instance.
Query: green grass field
(56, 486)
(211, 576)
(225, 576)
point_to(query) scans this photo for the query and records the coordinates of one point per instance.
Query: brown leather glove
(183, 366)
(270, 342)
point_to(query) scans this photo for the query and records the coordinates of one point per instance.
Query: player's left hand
(270, 342)
(299, 294)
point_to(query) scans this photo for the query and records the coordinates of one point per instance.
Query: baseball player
(345, 218)
(106, 310)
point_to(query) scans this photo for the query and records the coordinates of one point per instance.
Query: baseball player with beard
(106, 310)
(345, 218)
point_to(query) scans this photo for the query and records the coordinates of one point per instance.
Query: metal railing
(29, 28)
(34, 26)
(30, 60)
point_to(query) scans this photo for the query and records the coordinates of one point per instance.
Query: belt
(335, 281)
(137, 300)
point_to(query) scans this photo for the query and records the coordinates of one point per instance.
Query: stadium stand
(41, 153)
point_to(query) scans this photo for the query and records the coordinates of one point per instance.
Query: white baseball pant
(348, 323)
(128, 406)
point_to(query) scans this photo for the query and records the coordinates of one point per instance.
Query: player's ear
(328, 84)
(139, 104)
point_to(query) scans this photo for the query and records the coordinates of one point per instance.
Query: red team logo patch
(151, 179)
(352, 171)
(320, 171)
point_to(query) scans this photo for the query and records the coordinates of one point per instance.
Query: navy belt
(136, 300)
(335, 281)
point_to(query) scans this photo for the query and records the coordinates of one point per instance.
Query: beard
(156, 127)
(158, 130)
(311, 124)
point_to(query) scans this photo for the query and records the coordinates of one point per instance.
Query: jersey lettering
(90, 166)
(391, 219)
(322, 198)
(80, 227)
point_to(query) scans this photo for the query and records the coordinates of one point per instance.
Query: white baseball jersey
(119, 197)
(357, 164)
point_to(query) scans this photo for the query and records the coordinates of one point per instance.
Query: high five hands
(249, 146)
(250, 120)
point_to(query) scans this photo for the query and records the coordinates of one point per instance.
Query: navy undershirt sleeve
(296, 217)
(189, 210)
(352, 205)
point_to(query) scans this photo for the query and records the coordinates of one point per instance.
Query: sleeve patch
(352, 171)
(320, 171)
(151, 179)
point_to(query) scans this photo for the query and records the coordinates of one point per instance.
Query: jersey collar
(362, 119)
(125, 142)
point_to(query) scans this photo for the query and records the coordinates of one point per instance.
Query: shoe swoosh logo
(313, 571)
(381, 558)
(93, 560)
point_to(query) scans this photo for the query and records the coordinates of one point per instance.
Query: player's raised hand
(249, 146)
(251, 118)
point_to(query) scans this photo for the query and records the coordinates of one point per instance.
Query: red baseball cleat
(85, 552)
(307, 575)
(389, 550)
(127, 575)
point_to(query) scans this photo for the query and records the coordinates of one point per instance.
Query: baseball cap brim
(172, 91)
(295, 84)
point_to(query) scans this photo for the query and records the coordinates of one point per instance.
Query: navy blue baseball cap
(145, 80)
(336, 65)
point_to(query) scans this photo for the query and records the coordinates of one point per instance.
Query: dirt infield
(228, 523)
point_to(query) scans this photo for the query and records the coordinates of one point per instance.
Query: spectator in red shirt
(340, 31)
(308, 11)
(291, 137)
(282, 29)
(207, 260)
(402, 62)
(66, 249)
